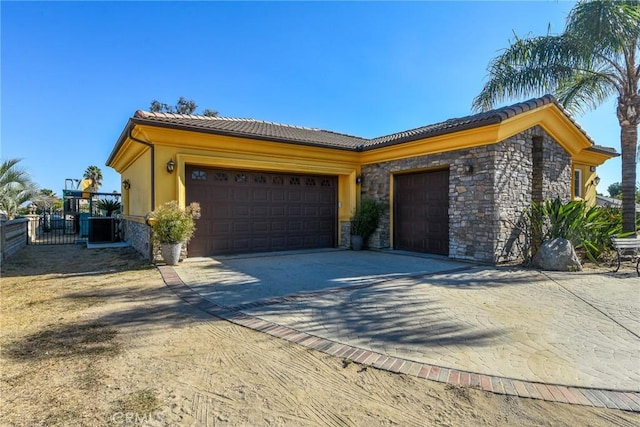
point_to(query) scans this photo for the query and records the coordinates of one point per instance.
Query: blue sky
(74, 72)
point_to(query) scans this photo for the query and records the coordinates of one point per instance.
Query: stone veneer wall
(514, 184)
(139, 237)
(469, 198)
(486, 204)
(345, 234)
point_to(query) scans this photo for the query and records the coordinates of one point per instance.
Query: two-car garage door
(253, 211)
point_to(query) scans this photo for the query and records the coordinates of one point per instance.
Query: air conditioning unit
(102, 230)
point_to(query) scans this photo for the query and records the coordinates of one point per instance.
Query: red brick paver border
(627, 401)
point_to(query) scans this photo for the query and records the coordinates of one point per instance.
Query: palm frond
(529, 67)
(606, 27)
(584, 91)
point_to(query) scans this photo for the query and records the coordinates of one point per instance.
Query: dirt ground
(94, 338)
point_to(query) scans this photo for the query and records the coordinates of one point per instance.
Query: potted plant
(364, 221)
(172, 226)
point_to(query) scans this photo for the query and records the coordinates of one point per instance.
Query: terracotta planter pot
(171, 252)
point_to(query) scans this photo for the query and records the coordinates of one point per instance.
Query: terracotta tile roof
(467, 122)
(250, 128)
(313, 136)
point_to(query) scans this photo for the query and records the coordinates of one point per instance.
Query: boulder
(557, 255)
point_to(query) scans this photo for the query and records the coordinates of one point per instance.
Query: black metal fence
(61, 230)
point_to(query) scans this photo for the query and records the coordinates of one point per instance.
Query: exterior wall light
(595, 181)
(126, 184)
(171, 165)
(359, 179)
(468, 168)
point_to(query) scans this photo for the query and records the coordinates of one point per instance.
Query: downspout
(153, 164)
(153, 181)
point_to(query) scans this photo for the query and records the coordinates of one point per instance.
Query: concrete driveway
(569, 329)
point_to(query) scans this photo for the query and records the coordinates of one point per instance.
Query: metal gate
(61, 229)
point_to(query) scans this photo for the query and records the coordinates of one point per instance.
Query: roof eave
(120, 142)
(430, 134)
(604, 151)
(183, 127)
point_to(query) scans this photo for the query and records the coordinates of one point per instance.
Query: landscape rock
(557, 255)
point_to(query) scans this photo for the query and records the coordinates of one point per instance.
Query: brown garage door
(250, 211)
(421, 212)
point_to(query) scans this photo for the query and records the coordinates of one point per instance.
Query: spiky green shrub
(172, 224)
(109, 206)
(589, 229)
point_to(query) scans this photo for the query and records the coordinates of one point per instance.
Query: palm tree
(16, 187)
(95, 175)
(596, 57)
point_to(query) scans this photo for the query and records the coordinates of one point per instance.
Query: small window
(199, 175)
(577, 184)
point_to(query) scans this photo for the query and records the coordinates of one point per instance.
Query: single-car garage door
(253, 211)
(421, 212)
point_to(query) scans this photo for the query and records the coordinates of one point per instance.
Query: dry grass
(94, 338)
(54, 342)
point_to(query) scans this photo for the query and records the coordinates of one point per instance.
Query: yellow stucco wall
(588, 183)
(137, 199)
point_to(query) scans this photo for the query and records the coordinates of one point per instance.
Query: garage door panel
(294, 211)
(421, 206)
(278, 211)
(294, 196)
(261, 227)
(311, 226)
(242, 211)
(247, 211)
(278, 242)
(260, 211)
(294, 226)
(278, 226)
(260, 244)
(218, 228)
(241, 227)
(241, 244)
(219, 196)
(278, 195)
(311, 211)
(260, 195)
(242, 195)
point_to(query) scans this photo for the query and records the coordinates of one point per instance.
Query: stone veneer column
(138, 234)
